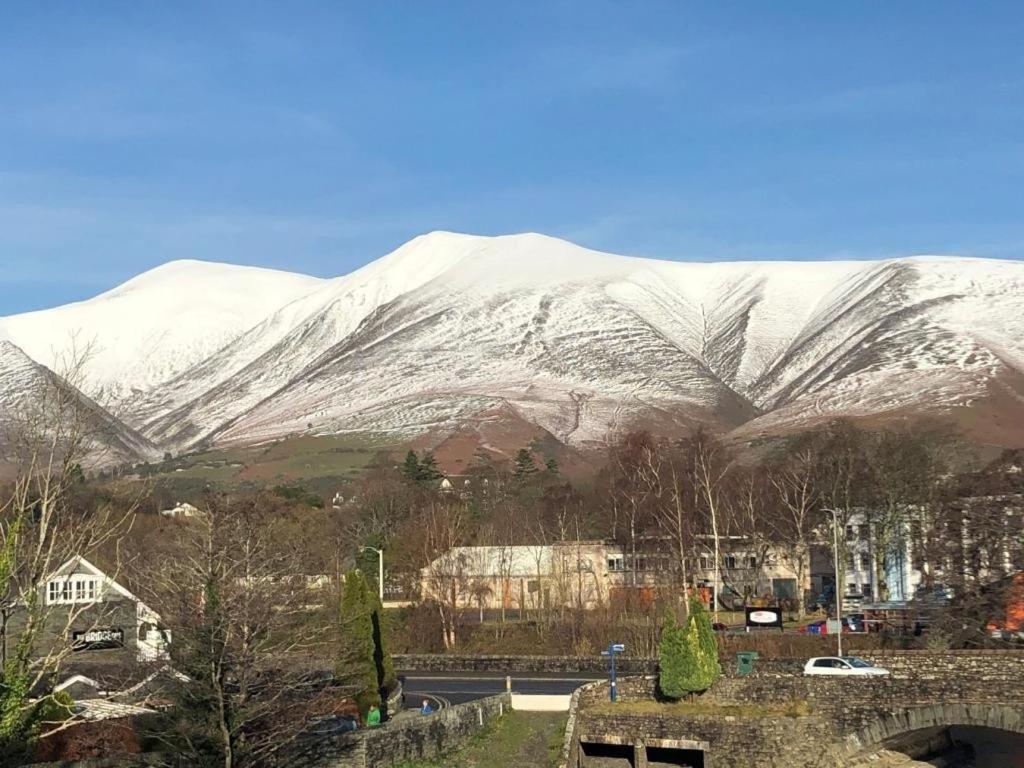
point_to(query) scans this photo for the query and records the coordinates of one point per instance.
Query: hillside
(451, 333)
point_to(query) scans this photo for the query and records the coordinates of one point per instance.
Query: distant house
(570, 574)
(92, 616)
(589, 574)
(181, 509)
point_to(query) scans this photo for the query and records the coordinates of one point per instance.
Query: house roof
(104, 709)
(77, 680)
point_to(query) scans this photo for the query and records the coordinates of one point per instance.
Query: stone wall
(768, 741)
(849, 715)
(918, 661)
(408, 739)
(628, 665)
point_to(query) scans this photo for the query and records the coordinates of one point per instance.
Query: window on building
(615, 563)
(730, 561)
(752, 561)
(705, 563)
(865, 561)
(851, 532)
(73, 589)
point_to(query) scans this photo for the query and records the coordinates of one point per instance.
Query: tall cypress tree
(357, 664)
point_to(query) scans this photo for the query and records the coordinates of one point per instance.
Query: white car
(842, 665)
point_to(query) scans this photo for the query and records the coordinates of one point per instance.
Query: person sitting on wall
(373, 716)
(426, 709)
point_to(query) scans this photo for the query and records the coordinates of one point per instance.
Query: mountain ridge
(584, 343)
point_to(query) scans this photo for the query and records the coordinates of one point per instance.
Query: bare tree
(239, 606)
(667, 473)
(711, 468)
(799, 511)
(445, 574)
(48, 436)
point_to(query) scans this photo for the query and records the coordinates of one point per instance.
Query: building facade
(87, 616)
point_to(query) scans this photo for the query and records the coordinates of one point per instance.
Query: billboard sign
(764, 617)
(97, 639)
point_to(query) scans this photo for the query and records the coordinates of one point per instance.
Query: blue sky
(316, 137)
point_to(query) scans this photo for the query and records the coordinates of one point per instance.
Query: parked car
(845, 666)
(815, 628)
(718, 626)
(939, 594)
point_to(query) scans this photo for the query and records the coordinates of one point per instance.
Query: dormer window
(72, 589)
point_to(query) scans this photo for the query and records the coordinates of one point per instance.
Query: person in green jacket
(373, 716)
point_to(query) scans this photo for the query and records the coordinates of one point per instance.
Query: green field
(306, 458)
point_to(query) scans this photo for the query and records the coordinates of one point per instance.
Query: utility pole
(835, 563)
(380, 571)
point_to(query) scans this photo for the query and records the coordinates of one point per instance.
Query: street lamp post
(380, 570)
(835, 563)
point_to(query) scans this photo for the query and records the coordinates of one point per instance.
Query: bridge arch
(1003, 717)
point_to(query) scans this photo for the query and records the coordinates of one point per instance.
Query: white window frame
(75, 588)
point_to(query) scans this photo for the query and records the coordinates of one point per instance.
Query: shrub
(676, 663)
(688, 655)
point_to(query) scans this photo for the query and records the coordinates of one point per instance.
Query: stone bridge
(778, 717)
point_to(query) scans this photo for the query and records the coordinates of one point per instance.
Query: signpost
(613, 648)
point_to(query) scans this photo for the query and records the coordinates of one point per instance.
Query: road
(457, 687)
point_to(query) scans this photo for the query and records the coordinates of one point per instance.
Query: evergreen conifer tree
(429, 473)
(701, 637)
(411, 467)
(675, 660)
(359, 665)
(688, 655)
(382, 661)
(524, 465)
(551, 466)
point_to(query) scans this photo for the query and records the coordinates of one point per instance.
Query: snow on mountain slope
(451, 327)
(149, 329)
(266, 357)
(583, 343)
(28, 401)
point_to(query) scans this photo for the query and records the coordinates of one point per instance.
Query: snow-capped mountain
(33, 397)
(144, 332)
(451, 328)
